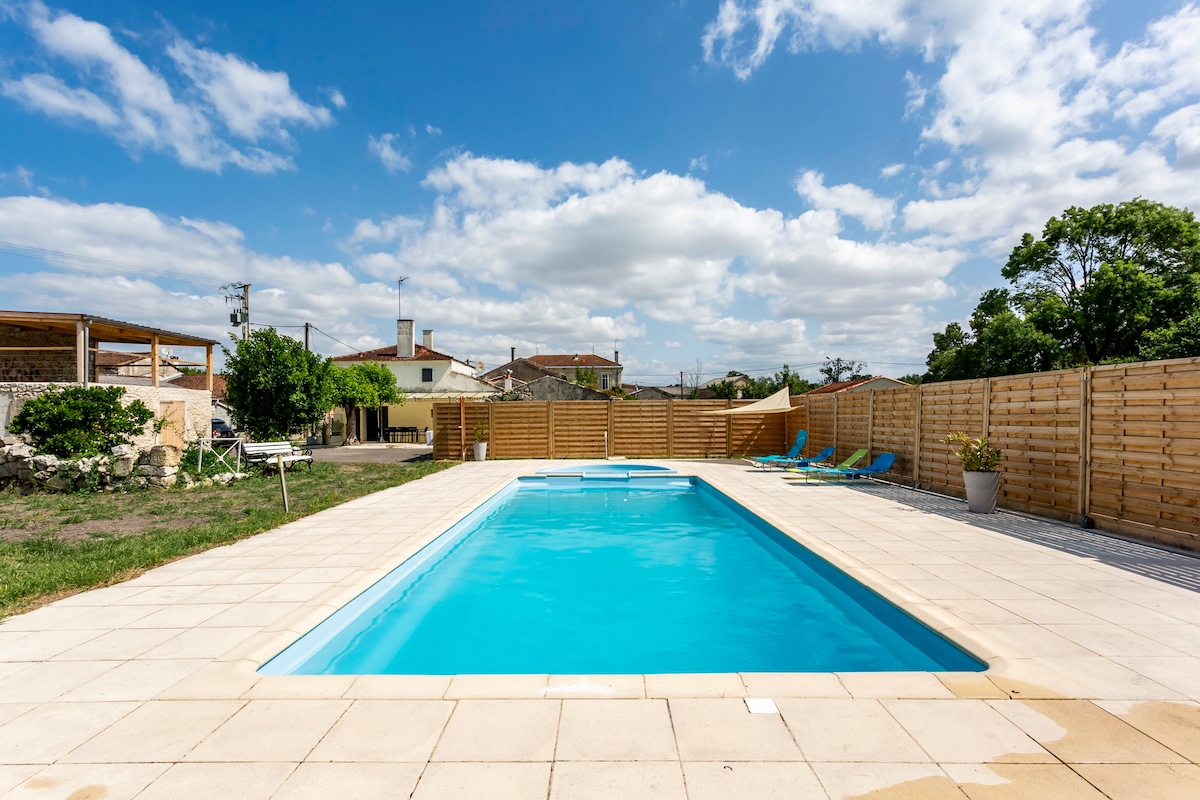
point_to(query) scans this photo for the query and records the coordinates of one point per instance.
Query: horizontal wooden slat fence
(1117, 446)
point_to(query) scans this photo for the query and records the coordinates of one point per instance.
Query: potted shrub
(480, 445)
(981, 474)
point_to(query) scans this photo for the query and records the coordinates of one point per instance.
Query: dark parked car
(221, 429)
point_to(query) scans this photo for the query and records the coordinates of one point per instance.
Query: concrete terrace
(148, 689)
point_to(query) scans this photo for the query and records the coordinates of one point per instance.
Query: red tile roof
(572, 360)
(420, 353)
(200, 382)
(117, 358)
(841, 386)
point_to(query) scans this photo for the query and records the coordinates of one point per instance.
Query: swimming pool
(609, 469)
(593, 576)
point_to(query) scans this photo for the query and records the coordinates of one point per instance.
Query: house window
(427, 374)
(604, 382)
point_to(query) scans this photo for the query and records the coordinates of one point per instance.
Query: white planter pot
(982, 490)
(480, 451)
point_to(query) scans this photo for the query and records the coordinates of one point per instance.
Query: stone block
(125, 451)
(165, 482)
(8, 470)
(148, 471)
(122, 467)
(164, 455)
(59, 482)
(19, 450)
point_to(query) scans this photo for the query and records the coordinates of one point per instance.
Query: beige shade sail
(777, 403)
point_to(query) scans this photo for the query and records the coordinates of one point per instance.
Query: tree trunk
(350, 434)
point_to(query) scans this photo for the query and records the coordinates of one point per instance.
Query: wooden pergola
(90, 330)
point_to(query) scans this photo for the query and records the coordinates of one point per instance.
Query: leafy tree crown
(81, 422)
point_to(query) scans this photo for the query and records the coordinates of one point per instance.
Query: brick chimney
(404, 338)
(427, 339)
(512, 354)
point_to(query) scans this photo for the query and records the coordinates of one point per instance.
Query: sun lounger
(769, 462)
(877, 467)
(819, 458)
(855, 457)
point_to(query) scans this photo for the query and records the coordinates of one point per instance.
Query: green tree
(1102, 278)
(759, 388)
(836, 369)
(275, 387)
(1178, 340)
(586, 376)
(81, 422)
(364, 385)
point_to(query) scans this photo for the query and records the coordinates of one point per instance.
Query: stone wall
(36, 365)
(197, 406)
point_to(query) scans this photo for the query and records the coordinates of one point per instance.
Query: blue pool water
(608, 469)
(590, 576)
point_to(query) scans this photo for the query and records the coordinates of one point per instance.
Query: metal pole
(246, 309)
(307, 345)
(282, 482)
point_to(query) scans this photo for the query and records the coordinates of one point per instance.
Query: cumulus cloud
(873, 211)
(221, 96)
(384, 149)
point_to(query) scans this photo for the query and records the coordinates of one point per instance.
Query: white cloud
(385, 150)
(873, 211)
(698, 164)
(891, 170)
(433, 131)
(337, 99)
(136, 105)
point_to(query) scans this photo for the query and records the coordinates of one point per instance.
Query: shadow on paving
(1170, 566)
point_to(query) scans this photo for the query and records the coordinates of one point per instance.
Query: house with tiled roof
(861, 384)
(425, 375)
(567, 366)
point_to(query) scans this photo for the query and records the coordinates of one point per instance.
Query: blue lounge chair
(791, 455)
(877, 467)
(794, 463)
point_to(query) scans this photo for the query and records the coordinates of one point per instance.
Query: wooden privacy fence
(1116, 446)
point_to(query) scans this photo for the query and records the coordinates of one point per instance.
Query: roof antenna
(399, 303)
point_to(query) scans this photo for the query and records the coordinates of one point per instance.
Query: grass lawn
(54, 545)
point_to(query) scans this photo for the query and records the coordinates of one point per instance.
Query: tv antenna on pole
(399, 302)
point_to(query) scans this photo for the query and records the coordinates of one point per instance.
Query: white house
(424, 375)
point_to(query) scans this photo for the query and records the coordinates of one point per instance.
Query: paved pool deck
(148, 688)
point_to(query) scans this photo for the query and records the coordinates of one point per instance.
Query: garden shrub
(74, 421)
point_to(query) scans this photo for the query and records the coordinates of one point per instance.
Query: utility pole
(399, 304)
(307, 325)
(241, 316)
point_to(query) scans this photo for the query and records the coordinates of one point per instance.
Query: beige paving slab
(385, 731)
(135, 680)
(793, 684)
(44, 681)
(48, 732)
(500, 730)
(894, 684)
(604, 686)
(1080, 732)
(207, 643)
(481, 781)
(599, 780)
(760, 780)
(1144, 781)
(283, 687)
(717, 729)
(492, 687)
(88, 782)
(398, 687)
(1021, 782)
(877, 781)
(14, 774)
(119, 645)
(972, 685)
(695, 685)
(1175, 725)
(965, 731)
(271, 730)
(362, 781)
(217, 681)
(40, 644)
(848, 730)
(162, 731)
(257, 781)
(615, 730)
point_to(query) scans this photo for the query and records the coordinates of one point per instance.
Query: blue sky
(734, 184)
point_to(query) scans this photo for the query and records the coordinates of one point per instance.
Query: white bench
(265, 454)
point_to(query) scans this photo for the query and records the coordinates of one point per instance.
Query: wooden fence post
(1085, 445)
(987, 408)
(492, 437)
(835, 427)
(728, 431)
(871, 424)
(608, 442)
(671, 428)
(550, 429)
(462, 428)
(917, 436)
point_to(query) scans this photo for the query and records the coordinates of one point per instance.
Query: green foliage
(913, 379)
(586, 376)
(726, 390)
(364, 385)
(835, 370)
(976, 455)
(1109, 284)
(275, 387)
(759, 388)
(481, 431)
(81, 422)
